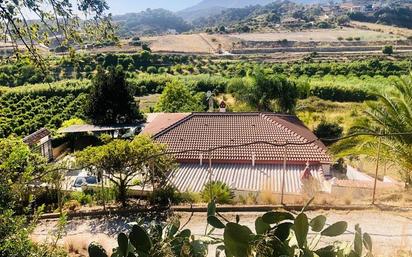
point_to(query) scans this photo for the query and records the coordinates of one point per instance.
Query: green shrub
(328, 130)
(217, 190)
(341, 94)
(165, 196)
(81, 197)
(388, 50)
(71, 205)
(151, 69)
(15, 237)
(108, 194)
(190, 197)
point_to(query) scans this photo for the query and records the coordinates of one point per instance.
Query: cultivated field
(382, 28)
(193, 43)
(360, 39)
(323, 35)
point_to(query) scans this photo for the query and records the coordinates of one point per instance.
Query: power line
(286, 143)
(211, 149)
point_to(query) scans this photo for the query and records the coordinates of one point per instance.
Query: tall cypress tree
(110, 100)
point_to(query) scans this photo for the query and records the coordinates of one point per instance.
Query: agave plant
(391, 114)
(217, 191)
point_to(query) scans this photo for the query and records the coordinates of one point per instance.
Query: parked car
(84, 180)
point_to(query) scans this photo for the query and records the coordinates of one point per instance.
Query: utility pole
(377, 169)
(284, 172)
(103, 194)
(210, 173)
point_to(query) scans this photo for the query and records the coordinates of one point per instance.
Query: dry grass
(342, 113)
(77, 245)
(147, 102)
(325, 199)
(395, 197)
(403, 253)
(310, 187)
(325, 35)
(192, 43)
(249, 199)
(369, 167)
(267, 197)
(383, 28)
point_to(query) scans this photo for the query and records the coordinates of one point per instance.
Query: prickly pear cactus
(96, 250)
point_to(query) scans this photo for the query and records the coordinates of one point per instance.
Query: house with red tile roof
(247, 151)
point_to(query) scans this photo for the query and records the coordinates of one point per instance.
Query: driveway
(390, 231)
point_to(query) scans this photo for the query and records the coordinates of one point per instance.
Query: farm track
(207, 42)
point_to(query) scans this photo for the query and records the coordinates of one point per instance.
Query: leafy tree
(110, 60)
(388, 50)
(328, 130)
(121, 161)
(266, 92)
(62, 18)
(390, 114)
(19, 166)
(150, 21)
(110, 100)
(176, 97)
(72, 121)
(391, 15)
(343, 20)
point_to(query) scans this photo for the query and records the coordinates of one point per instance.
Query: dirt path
(390, 231)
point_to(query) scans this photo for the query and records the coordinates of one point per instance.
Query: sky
(126, 6)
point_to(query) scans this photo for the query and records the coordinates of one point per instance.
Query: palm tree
(391, 114)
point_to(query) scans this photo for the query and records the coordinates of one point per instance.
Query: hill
(150, 22)
(207, 8)
(254, 16)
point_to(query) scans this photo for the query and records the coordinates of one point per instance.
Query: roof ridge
(240, 113)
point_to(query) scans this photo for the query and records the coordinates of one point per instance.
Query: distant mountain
(205, 4)
(208, 8)
(150, 22)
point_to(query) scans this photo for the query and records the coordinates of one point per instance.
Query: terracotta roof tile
(156, 122)
(208, 130)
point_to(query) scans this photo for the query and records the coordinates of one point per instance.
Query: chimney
(222, 106)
